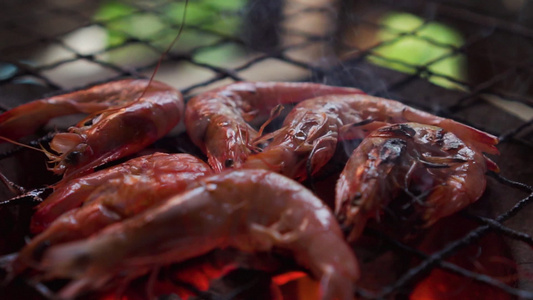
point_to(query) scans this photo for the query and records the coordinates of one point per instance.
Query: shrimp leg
(250, 210)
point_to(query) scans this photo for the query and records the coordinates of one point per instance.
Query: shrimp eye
(73, 157)
(228, 163)
(356, 200)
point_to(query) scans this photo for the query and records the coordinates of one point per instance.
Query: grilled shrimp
(125, 116)
(250, 210)
(216, 120)
(108, 196)
(308, 137)
(439, 172)
(310, 132)
(123, 189)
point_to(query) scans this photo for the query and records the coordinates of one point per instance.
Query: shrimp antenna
(174, 41)
(31, 197)
(274, 113)
(14, 188)
(48, 154)
(21, 144)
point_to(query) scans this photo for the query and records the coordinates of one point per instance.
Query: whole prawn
(309, 135)
(439, 172)
(216, 120)
(125, 117)
(250, 210)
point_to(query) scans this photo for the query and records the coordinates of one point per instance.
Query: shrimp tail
(27, 118)
(480, 140)
(491, 165)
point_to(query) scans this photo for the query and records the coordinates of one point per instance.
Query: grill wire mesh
(274, 45)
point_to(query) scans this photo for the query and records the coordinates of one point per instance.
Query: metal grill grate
(53, 46)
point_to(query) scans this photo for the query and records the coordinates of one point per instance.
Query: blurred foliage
(428, 45)
(207, 21)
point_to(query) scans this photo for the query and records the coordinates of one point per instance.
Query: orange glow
(201, 275)
(286, 277)
(297, 286)
(488, 256)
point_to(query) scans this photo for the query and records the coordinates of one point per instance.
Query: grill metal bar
(424, 69)
(524, 237)
(452, 247)
(515, 131)
(444, 265)
(478, 18)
